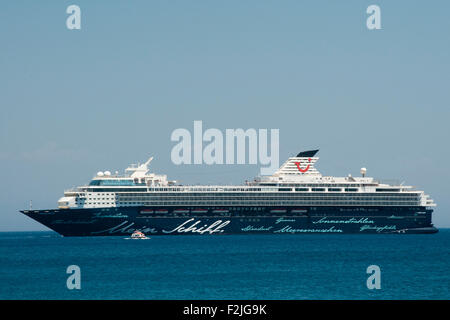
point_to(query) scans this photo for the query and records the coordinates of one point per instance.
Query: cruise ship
(296, 199)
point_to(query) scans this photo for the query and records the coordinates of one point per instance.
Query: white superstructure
(296, 183)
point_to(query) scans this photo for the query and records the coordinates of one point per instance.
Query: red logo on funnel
(303, 170)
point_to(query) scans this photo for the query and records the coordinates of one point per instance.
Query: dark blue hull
(234, 220)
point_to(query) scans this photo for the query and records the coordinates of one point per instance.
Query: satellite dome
(107, 173)
(100, 174)
(363, 171)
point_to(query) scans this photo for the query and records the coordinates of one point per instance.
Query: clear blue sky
(76, 102)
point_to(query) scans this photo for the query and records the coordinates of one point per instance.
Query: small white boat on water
(138, 235)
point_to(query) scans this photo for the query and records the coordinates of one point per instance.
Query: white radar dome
(363, 171)
(107, 173)
(100, 174)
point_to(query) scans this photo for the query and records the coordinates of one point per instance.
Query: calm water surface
(33, 266)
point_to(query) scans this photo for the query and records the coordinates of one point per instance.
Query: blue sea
(33, 265)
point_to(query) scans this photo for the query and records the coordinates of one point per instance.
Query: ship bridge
(135, 175)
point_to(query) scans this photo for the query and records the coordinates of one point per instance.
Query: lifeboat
(200, 211)
(278, 211)
(220, 211)
(180, 211)
(298, 211)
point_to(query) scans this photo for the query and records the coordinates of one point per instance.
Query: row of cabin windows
(266, 202)
(314, 189)
(357, 196)
(257, 195)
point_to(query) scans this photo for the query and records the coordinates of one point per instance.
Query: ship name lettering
(377, 228)
(289, 229)
(125, 228)
(351, 220)
(216, 227)
(253, 228)
(284, 220)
